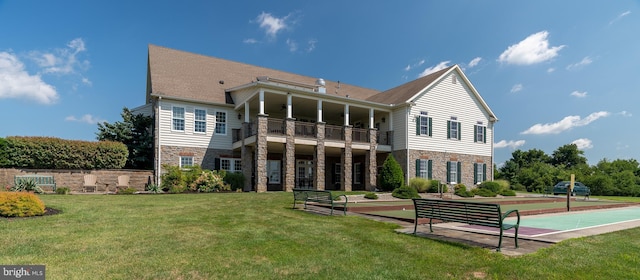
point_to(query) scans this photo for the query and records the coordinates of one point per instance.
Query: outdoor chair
(123, 182)
(90, 182)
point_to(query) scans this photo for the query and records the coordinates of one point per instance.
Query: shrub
(485, 192)
(20, 204)
(27, 185)
(370, 195)
(504, 184)
(507, 192)
(420, 184)
(210, 181)
(433, 186)
(461, 190)
(128, 190)
(63, 190)
(153, 188)
(490, 185)
(391, 176)
(235, 180)
(173, 180)
(405, 192)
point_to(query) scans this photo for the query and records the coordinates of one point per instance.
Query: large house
(285, 131)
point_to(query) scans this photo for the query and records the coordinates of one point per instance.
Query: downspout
(407, 143)
(157, 119)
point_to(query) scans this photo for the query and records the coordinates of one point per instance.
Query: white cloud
(551, 70)
(619, 17)
(474, 62)
(292, 44)
(567, 123)
(584, 62)
(516, 88)
(86, 81)
(579, 94)
(87, 118)
(16, 82)
(511, 144)
(250, 41)
(533, 49)
(62, 61)
(412, 66)
(583, 143)
(272, 25)
(625, 114)
(311, 45)
(435, 68)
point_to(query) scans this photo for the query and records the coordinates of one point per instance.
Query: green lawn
(258, 236)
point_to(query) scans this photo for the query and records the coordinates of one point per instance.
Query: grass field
(259, 236)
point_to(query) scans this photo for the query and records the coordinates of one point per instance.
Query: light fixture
(383, 119)
(239, 116)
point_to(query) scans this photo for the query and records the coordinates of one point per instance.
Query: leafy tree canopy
(135, 131)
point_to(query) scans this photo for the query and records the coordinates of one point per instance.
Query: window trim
(450, 128)
(482, 129)
(479, 173)
(183, 119)
(195, 120)
(182, 158)
(420, 126)
(424, 166)
(218, 122)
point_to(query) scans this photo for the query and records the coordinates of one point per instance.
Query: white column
(289, 108)
(390, 122)
(319, 111)
(246, 112)
(371, 124)
(261, 102)
(346, 114)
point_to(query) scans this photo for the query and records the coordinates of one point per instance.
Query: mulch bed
(47, 212)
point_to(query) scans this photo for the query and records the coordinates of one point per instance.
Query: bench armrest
(345, 198)
(512, 211)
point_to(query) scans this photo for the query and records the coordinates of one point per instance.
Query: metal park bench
(473, 213)
(40, 180)
(318, 197)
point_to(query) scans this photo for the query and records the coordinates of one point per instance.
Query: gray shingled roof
(184, 75)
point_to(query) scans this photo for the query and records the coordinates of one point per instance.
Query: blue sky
(554, 72)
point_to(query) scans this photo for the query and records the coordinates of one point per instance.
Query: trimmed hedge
(20, 204)
(55, 153)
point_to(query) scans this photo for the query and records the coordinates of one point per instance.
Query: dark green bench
(40, 180)
(473, 213)
(319, 197)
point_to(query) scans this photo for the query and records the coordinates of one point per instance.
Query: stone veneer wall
(202, 156)
(74, 179)
(439, 166)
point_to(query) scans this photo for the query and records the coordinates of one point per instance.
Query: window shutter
(475, 133)
(459, 172)
(417, 167)
(484, 172)
(448, 171)
(429, 126)
(429, 172)
(418, 125)
(484, 134)
(216, 164)
(448, 129)
(475, 173)
(459, 131)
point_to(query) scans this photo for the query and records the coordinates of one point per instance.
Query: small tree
(391, 176)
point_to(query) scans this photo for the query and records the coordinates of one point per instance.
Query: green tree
(568, 156)
(135, 131)
(391, 175)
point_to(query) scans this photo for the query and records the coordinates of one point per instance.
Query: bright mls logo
(30, 272)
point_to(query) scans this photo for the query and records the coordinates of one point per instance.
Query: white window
(200, 124)
(221, 123)
(237, 166)
(225, 164)
(480, 135)
(273, 171)
(423, 168)
(424, 124)
(357, 173)
(231, 164)
(453, 172)
(453, 129)
(480, 170)
(186, 162)
(178, 119)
